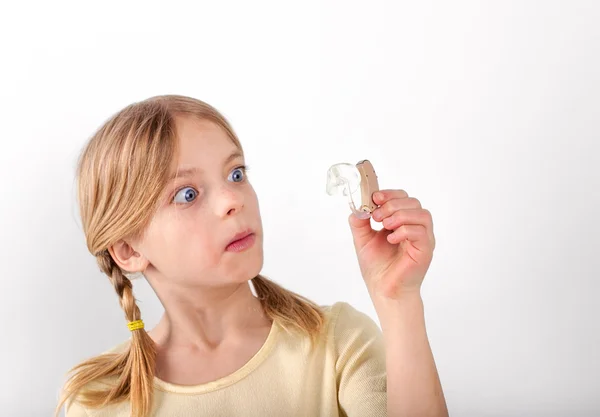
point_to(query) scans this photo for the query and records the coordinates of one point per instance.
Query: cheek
(197, 250)
(182, 249)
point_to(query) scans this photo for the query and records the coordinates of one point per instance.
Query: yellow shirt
(344, 375)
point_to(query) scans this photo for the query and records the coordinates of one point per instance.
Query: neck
(201, 319)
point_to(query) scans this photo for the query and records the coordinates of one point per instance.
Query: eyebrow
(188, 172)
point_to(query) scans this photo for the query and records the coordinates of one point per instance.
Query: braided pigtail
(131, 371)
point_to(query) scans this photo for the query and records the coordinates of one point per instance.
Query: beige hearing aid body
(368, 185)
(346, 179)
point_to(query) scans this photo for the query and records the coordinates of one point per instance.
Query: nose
(230, 200)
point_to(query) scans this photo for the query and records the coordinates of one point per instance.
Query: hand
(394, 260)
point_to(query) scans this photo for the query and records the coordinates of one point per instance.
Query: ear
(127, 258)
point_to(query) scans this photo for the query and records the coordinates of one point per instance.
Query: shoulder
(119, 347)
(348, 326)
(343, 316)
(74, 407)
(360, 364)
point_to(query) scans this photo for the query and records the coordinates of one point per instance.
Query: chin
(255, 265)
(248, 266)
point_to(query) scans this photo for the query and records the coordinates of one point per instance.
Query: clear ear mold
(356, 182)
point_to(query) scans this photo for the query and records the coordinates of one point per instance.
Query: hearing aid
(358, 182)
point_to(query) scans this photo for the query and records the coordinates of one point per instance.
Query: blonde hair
(121, 173)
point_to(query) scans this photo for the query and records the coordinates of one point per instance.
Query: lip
(240, 235)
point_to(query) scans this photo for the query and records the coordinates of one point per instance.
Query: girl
(163, 192)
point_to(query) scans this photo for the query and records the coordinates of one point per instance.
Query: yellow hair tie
(135, 325)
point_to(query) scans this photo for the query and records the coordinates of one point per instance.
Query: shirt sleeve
(360, 364)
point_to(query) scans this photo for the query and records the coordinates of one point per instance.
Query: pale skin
(393, 262)
(213, 324)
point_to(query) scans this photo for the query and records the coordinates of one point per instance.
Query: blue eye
(241, 173)
(188, 196)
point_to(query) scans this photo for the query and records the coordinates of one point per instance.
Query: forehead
(202, 142)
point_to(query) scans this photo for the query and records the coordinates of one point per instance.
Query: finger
(361, 229)
(420, 217)
(393, 205)
(381, 196)
(414, 233)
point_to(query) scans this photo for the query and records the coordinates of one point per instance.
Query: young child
(163, 191)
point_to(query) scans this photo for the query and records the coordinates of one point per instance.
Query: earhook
(347, 179)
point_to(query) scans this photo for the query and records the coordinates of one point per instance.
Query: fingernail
(379, 195)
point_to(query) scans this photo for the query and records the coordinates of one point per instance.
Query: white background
(488, 112)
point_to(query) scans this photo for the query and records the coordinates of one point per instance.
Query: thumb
(361, 229)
